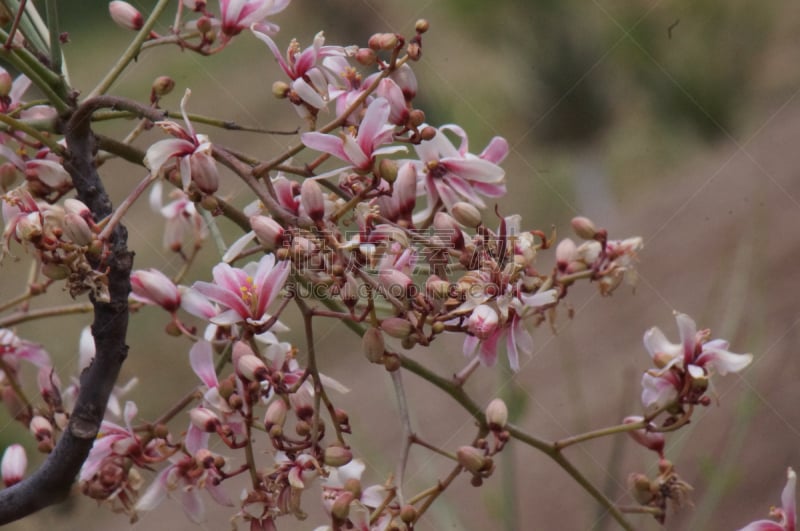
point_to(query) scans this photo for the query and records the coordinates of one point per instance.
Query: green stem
(132, 52)
(40, 76)
(55, 35)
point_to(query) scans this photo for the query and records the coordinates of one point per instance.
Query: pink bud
(250, 367)
(566, 252)
(41, 428)
(13, 465)
(205, 174)
(405, 188)
(337, 456)
(483, 321)
(276, 414)
(448, 230)
(268, 231)
(77, 207)
(154, 287)
(473, 459)
(405, 78)
(312, 200)
(497, 414)
(372, 345)
(125, 15)
(204, 419)
(651, 440)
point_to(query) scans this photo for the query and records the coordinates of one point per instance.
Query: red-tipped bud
(372, 345)
(125, 15)
(268, 231)
(651, 440)
(151, 286)
(447, 230)
(204, 419)
(251, 368)
(397, 327)
(337, 456)
(584, 228)
(41, 428)
(566, 252)
(312, 200)
(13, 465)
(496, 414)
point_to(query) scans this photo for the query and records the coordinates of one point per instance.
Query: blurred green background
(673, 120)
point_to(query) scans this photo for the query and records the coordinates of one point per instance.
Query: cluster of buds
(62, 238)
(607, 261)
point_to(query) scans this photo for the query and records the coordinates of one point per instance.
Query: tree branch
(51, 483)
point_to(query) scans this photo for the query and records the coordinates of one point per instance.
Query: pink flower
(454, 175)
(46, 170)
(238, 15)
(246, 293)
(487, 335)
(182, 219)
(309, 80)
(115, 440)
(154, 287)
(13, 465)
(188, 477)
(358, 150)
(192, 151)
(787, 514)
(695, 358)
(13, 350)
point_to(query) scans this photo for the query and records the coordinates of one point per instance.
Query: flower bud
(641, 488)
(372, 345)
(204, 419)
(473, 459)
(205, 174)
(41, 428)
(13, 465)
(566, 252)
(162, 86)
(337, 456)
(349, 291)
(483, 321)
(251, 368)
(268, 231)
(366, 57)
(651, 440)
(388, 170)
(6, 82)
(408, 514)
(383, 41)
(125, 15)
(497, 414)
(447, 229)
(8, 175)
(276, 415)
(154, 287)
(280, 89)
(421, 26)
(397, 327)
(584, 227)
(437, 288)
(406, 80)
(195, 5)
(312, 200)
(77, 230)
(466, 214)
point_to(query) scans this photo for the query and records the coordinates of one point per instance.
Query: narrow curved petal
(201, 359)
(325, 143)
(723, 361)
(223, 296)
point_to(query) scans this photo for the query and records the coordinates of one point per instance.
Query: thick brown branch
(51, 483)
